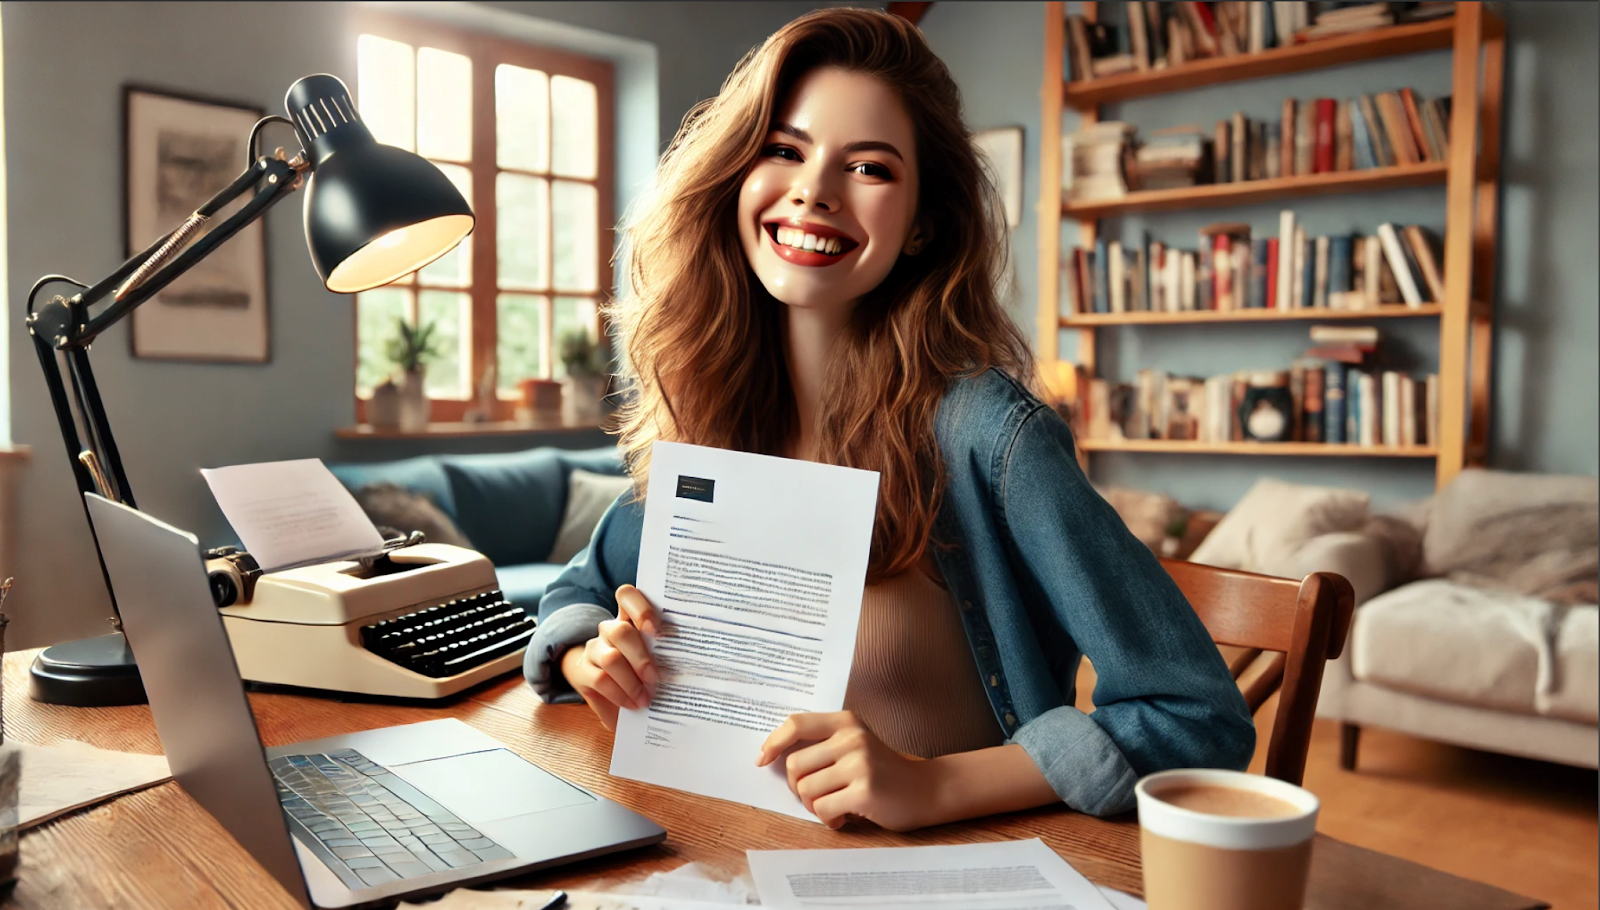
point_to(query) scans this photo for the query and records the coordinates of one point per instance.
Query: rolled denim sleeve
(582, 597)
(1163, 696)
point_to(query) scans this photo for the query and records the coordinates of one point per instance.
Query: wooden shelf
(1388, 311)
(1384, 42)
(555, 424)
(1212, 195)
(1186, 447)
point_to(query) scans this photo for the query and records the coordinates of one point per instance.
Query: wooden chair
(1305, 622)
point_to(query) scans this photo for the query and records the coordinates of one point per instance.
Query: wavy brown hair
(702, 340)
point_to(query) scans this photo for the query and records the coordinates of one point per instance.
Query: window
(525, 133)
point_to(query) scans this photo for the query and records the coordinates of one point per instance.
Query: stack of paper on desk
(1010, 875)
(757, 565)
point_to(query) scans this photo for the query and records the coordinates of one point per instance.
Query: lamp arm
(149, 275)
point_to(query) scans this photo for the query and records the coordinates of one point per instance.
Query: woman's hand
(849, 771)
(614, 669)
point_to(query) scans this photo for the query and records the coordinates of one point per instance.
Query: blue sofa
(509, 505)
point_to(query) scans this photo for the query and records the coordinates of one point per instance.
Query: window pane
(385, 90)
(574, 121)
(575, 224)
(524, 213)
(378, 313)
(447, 311)
(568, 315)
(444, 105)
(520, 344)
(453, 269)
(522, 118)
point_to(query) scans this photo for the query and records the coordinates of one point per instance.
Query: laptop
(401, 812)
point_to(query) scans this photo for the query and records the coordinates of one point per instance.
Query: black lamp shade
(373, 212)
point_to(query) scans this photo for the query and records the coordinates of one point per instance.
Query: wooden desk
(158, 848)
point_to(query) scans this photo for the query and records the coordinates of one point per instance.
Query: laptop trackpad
(490, 785)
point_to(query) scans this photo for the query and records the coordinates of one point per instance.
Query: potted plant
(588, 366)
(411, 349)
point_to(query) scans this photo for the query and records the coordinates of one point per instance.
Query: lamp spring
(175, 244)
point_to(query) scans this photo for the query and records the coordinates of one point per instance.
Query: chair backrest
(1305, 622)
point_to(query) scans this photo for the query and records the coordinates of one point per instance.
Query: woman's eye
(781, 151)
(872, 169)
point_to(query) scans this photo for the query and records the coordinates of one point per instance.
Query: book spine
(1372, 272)
(1395, 254)
(1240, 282)
(1368, 418)
(1408, 102)
(1382, 151)
(1297, 401)
(1157, 29)
(1222, 273)
(1286, 139)
(1239, 131)
(1308, 270)
(1408, 410)
(1256, 293)
(1338, 269)
(1391, 408)
(1068, 292)
(1116, 277)
(1141, 292)
(1272, 150)
(1305, 136)
(1137, 35)
(1363, 156)
(1204, 284)
(1333, 403)
(1186, 282)
(1236, 390)
(1343, 150)
(1322, 157)
(1102, 281)
(1172, 279)
(1311, 423)
(1221, 154)
(1285, 259)
(1395, 128)
(1319, 297)
(1422, 252)
(1270, 297)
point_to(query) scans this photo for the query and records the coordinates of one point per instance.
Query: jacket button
(993, 681)
(1011, 719)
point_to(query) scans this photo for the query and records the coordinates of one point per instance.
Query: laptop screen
(196, 694)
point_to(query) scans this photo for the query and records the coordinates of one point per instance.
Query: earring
(913, 248)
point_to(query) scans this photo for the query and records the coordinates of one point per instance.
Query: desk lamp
(373, 213)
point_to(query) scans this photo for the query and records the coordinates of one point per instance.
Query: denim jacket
(1045, 573)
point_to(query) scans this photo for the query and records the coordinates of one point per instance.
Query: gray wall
(65, 64)
(1545, 390)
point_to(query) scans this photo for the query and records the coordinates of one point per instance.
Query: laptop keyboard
(380, 827)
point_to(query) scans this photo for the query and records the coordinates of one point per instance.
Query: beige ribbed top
(914, 682)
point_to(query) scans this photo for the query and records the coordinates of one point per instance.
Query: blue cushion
(524, 585)
(422, 474)
(509, 504)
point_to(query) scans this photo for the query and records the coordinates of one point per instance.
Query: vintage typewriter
(419, 620)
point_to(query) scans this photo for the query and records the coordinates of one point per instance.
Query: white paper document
(757, 565)
(1009, 875)
(68, 775)
(292, 513)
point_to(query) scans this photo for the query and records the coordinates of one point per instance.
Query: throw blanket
(1551, 552)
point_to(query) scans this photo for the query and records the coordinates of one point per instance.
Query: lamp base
(88, 673)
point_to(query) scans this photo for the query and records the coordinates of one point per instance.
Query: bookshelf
(1476, 39)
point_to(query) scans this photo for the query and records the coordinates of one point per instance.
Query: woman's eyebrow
(863, 146)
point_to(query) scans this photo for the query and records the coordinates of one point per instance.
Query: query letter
(756, 565)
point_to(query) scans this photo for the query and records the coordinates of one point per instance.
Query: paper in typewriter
(757, 566)
(292, 513)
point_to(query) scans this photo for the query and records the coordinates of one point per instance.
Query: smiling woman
(815, 278)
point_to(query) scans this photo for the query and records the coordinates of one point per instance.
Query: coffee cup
(1224, 840)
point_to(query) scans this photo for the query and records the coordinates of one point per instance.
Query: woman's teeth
(800, 240)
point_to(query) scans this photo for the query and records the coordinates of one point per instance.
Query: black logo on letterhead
(698, 488)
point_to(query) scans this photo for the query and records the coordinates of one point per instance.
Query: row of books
(1313, 401)
(1232, 271)
(1156, 35)
(1325, 135)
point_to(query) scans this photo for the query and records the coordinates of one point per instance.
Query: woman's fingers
(813, 787)
(638, 609)
(627, 639)
(833, 809)
(614, 665)
(811, 759)
(801, 728)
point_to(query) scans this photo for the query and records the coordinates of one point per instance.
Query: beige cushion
(588, 497)
(1273, 520)
(1576, 695)
(1452, 642)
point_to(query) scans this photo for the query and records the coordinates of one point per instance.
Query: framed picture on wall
(1003, 148)
(179, 151)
